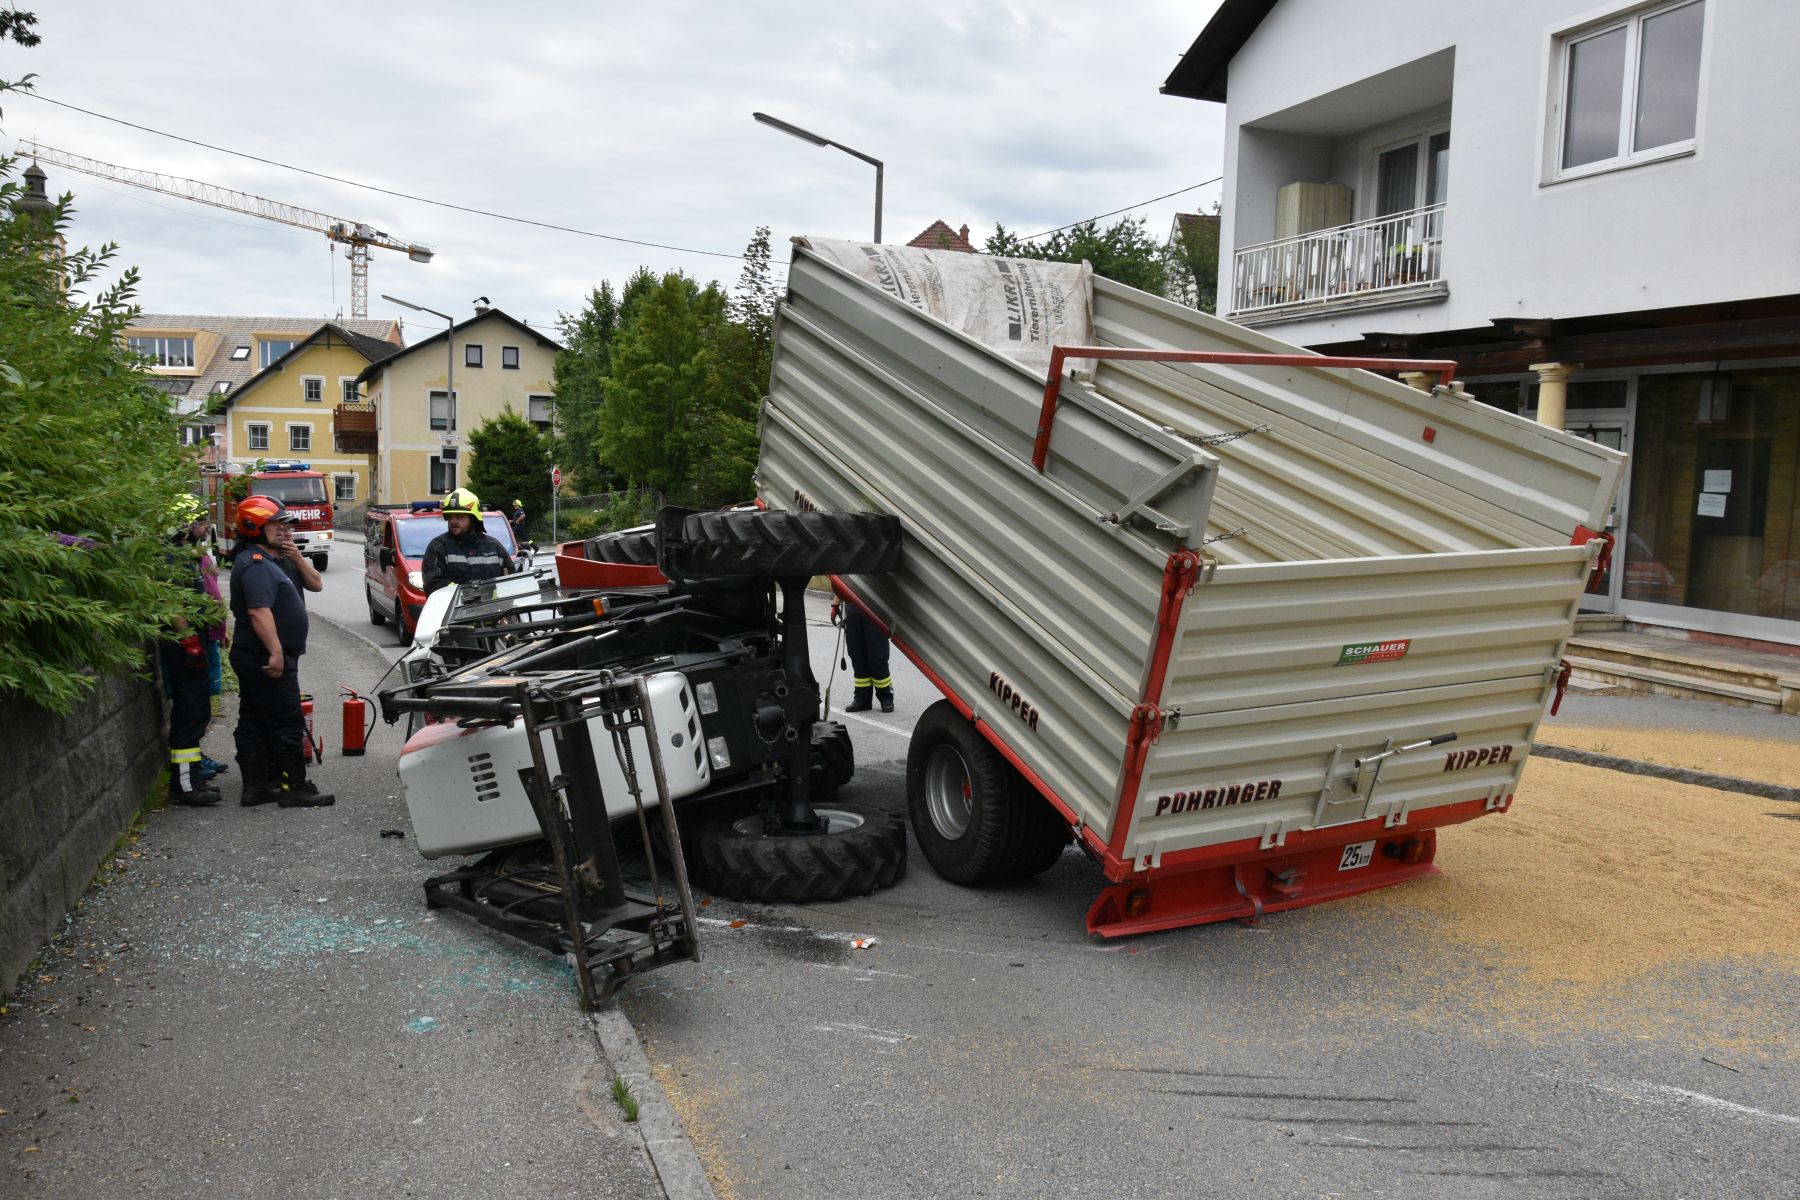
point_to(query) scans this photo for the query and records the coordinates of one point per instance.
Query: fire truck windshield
(295, 489)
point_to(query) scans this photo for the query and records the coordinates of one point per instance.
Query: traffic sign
(555, 476)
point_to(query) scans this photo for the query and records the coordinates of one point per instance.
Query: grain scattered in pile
(1768, 760)
(1638, 905)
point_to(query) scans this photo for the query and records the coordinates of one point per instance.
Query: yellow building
(287, 409)
(496, 361)
(204, 361)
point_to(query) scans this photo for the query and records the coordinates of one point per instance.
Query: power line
(1115, 212)
(480, 212)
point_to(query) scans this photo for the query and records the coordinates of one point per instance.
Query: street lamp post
(450, 358)
(815, 139)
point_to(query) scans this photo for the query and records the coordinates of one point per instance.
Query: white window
(443, 411)
(164, 351)
(196, 435)
(541, 411)
(1412, 174)
(222, 387)
(471, 355)
(272, 350)
(299, 437)
(258, 435)
(347, 384)
(509, 358)
(1629, 90)
(443, 476)
(240, 353)
(343, 488)
(312, 389)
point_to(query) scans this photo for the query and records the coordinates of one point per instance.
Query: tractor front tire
(863, 850)
(631, 547)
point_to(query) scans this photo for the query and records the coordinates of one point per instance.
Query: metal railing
(1346, 263)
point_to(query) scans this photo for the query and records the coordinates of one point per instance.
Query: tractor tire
(376, 616)
(833, 759)
(750, 541)
(631, 547)
(976, 819)
(865, 849)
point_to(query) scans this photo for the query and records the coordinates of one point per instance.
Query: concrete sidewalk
(258, 1003)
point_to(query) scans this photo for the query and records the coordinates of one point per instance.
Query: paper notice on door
(1712, 504)
(1717, 481)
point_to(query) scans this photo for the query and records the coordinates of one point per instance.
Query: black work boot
(859, 701)
(190, 786)
(259, 788)
(297, 791)
(885, 697)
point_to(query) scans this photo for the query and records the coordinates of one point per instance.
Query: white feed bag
(1018, 306)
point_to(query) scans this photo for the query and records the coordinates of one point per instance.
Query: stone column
(1553, 392)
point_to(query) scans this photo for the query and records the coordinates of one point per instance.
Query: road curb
(1637, 766)
(672, 1156)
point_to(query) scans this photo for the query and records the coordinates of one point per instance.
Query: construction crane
(355, 234)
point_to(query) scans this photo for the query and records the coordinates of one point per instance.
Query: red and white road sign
(555, 476)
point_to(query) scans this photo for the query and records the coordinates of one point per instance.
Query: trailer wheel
(631, 547)
(833, 758)
(749, 541)
(976, 819)
(865, 849)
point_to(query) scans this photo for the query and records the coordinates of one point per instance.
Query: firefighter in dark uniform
(868, 648)
(267, 573)
(464, 552)
(185, 673)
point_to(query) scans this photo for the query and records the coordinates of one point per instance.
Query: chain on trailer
(578, 904)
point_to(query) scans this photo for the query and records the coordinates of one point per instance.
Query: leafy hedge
(90, 465)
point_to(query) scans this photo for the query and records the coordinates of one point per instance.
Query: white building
(1548, 190)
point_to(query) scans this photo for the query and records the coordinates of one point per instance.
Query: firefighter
(517, 518)
(267, 575)
(464, 552)
(868, 648)
(185, 676)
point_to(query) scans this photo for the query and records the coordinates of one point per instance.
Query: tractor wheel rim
(949, 792)
(841, 820)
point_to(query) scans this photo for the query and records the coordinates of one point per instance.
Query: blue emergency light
(287, 464)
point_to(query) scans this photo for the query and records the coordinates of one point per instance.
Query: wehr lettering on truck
(1009, 696)
(1217, 797)
(1458, 760)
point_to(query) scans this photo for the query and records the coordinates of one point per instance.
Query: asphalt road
(983, 1045)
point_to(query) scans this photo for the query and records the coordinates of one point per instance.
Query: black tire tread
(376, 616)
(800, 870)
(833, 759)
(1013, 833)
(747, 541)
(631, 547)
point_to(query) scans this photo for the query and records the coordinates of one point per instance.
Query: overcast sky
(625, 119)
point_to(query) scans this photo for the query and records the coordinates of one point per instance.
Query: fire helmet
(259, 512)
(463, 501)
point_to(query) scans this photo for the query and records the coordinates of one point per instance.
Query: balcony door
(1414, 174)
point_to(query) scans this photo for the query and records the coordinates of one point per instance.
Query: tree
(1124, 252)
(1194, 260)
(659, 394)
(90, 465)
(739, 361)
(581, 372)
(510, 460)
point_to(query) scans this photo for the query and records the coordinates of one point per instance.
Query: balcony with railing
(354, 429)
(1391, 260)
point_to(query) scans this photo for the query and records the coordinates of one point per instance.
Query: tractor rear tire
(631, 547)
(749, 541)
(976, 819)
(864, 849)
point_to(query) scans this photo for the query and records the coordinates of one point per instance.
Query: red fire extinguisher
(357, 721)
(312, 749)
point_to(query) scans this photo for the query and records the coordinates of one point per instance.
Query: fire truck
(307, 495)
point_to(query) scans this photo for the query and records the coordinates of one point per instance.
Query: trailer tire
(631, 547)
(736, 859)
(976, 819)
(833, 758)
(749, 541)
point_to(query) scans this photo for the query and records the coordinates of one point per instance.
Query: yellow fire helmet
(463, 501)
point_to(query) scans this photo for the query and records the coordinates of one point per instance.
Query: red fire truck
(307, 495)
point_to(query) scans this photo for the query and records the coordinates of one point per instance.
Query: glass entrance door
(1612, 430)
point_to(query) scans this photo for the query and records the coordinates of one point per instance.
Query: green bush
(579, 526)
(90, 465)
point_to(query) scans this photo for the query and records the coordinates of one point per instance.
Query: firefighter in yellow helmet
(464, 552)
